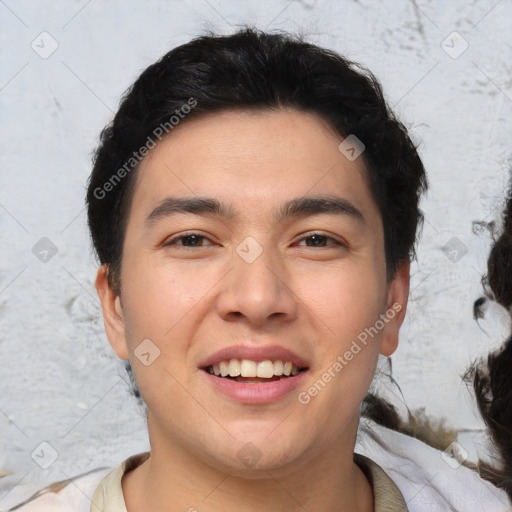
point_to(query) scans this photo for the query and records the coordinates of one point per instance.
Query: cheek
(348, 299)
(348, 305)
(157, 306)
(157, 298)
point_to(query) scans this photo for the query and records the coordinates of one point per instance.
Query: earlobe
(113, 315)
(395, 309)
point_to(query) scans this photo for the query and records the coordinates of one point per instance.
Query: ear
(113, 316)
(398, 292)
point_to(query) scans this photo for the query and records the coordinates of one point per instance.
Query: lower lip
(264, 393)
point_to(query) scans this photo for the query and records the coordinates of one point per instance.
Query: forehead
(251, 161)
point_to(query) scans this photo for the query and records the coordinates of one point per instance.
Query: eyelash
(173, 241)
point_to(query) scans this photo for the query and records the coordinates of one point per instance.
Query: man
(254, 206)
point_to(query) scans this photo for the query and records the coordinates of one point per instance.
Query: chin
(253, 456)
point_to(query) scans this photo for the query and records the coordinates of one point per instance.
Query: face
(281, 262)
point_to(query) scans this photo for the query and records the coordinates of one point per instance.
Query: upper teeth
(247, 368)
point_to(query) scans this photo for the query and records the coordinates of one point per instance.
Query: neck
(172, 480)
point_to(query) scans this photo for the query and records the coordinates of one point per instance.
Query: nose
(259, 292)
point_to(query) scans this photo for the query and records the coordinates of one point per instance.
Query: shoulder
(425, 476)
(73, 495)
(101, 487)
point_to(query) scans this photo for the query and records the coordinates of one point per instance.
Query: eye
(320, 240)
(194, 239)
(190, 240)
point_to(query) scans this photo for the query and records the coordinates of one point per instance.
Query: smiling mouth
(252, 372)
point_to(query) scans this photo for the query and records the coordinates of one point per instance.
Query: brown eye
(319, 240)
(189, 240)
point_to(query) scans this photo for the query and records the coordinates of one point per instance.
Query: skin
(192, 301)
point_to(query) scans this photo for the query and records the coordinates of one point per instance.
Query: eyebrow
(298, 207)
